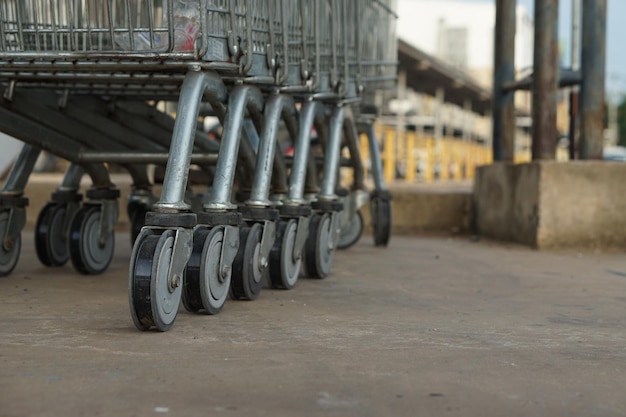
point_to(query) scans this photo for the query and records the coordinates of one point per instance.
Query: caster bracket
(230, 246)
(302, 233)
(335, 229)
(181, 252)
(267, 241)
(108, 219)
(17, 220)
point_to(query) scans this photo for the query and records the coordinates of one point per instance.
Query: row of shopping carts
(87, 80)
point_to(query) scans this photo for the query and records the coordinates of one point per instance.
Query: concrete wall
(428, 210)
(551, 205)
(416, 209)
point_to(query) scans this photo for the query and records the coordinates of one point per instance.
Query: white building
(461, 33)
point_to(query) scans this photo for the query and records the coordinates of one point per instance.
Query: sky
(616, 33)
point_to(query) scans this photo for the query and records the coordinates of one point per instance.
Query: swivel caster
(9, 248)
(154, 295)
(88, 253)
(284, 268)
(247, 277)
(351, 232)
(319, 251)
(206, 281)
(51, 235)
(381, 220)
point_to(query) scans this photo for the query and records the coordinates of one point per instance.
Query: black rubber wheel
(88, 255)
(50, 235)
(247, 276)
(9, 251)
(153, 297)
(381, 221)
(318, 253)
(137, 215)
(206, 288)
(351, 232)
(283, 268)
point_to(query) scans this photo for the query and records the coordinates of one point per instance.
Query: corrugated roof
(425, 73)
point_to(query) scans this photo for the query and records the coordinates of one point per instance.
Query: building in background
(461, 34)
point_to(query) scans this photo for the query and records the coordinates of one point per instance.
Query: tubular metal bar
(243, 97)
(196, 85)
(376, 162)
(37, 135)
(139, 157)
(593, 71)
(332, 155)
(246, 157)
(276, 106)
(352, 139)
(504, 72)
(545, 92)
(82, 123)
(289, 115)
(301, 154)
(20, 171)
(71, 178)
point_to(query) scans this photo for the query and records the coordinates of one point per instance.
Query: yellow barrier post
(390, 157)
(410, 156)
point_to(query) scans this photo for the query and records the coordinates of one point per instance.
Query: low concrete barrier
(553, 205)
(437, 208)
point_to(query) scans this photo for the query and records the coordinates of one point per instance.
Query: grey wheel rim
(213, 286)
(290, 267)
(8, 256)
(165, 297)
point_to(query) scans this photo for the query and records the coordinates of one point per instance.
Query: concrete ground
(428, 327)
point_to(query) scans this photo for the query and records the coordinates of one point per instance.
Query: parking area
(429, 326)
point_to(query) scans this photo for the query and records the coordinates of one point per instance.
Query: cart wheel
(50, 235)
(205, 286)
(247, 276)
(351, 232)
(154, 296)
(137, 215)
(283, 268)
(381, 221)
(9, 251)
(318, 253)
(87, 253)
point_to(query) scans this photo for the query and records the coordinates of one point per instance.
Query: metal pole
(545, 79)
(504, 72)
(438, 131)
(593, 74)
(573, 104)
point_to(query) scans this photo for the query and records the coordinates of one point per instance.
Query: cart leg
(286, 256)
(259, 235)
(13, 208)
(53, 222)
(91, 237)
(380, 203)
(352, 222)
(324, 229)
(206, 289)
(164, 246)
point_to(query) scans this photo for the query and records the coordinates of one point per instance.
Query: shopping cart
(101, 68)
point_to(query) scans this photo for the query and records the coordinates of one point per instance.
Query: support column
(468, 121)
(438, 132)
(573, 98)
(545, 79)
(593, 67)
(504, 72)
